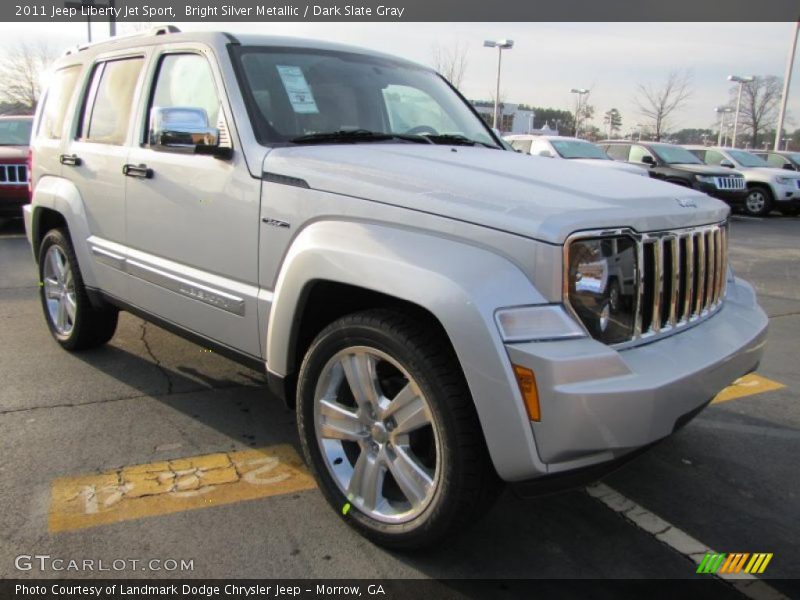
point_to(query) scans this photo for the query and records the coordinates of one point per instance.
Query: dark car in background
(679, 166)
(15, 137)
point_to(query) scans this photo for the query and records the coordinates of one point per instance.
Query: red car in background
(15, 137)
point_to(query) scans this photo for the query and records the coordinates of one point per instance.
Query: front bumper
(12, 199)
(786, 194)
(599, 404)
(732, 197)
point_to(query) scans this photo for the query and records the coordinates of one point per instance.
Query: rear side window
(618, 151)
(108, 105)
(775, 160)
(56, 102)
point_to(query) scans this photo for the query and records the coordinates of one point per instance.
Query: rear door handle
(70, 159)
(142, 171)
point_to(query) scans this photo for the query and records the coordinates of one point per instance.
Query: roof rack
(160, 30)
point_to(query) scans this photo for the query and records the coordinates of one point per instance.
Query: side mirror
(789, 167)
(726, 163)
(186, 128)
(546, 153)
(649, 160)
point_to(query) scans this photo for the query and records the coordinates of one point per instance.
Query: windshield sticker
(297, 89)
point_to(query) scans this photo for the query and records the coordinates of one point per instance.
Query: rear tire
(389, 429)
(759, 201)
(73, 321)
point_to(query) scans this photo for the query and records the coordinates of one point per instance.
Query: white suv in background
(570, 148)
(769, 188)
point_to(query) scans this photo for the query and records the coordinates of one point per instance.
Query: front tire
(73, 321)
(758, 202)
(389, 429)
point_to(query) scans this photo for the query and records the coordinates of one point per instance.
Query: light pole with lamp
(500, 45)
(581, 93)
(721, 110)
(741, 81)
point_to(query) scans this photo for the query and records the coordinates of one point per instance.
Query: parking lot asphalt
(729, 479)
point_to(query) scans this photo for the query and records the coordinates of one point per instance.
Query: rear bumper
(599, 404)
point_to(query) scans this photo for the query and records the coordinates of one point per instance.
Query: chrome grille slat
(658, 282)
(730, 183)
(711, 271)
(637, 323)
(675, 246)
(700, 246)
(689, 278)
(13, 174)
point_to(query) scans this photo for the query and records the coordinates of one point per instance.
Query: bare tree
(21, 72)
(450, 61)
(759, 109)
(583, 112)
(658, 103)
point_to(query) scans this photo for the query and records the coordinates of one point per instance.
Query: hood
(767, 173)
(613, 164)
(706, 170)
(13, 153)
(532, 196)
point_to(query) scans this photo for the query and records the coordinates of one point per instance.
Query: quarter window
(618, 151)
(56, 102)
(107, 111)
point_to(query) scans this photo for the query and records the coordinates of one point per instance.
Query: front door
(193, 219)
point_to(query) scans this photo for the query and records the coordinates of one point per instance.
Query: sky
(547, 59)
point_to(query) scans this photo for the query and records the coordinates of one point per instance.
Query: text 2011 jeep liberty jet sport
(445, 314)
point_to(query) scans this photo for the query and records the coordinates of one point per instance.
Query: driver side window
(638, 153)
(409, 106)
(714, 158)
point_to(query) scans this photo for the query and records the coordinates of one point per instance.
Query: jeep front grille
(682, 277)
(730, 183)
(13, 175)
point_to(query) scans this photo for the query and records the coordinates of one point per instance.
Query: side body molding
(461, 284)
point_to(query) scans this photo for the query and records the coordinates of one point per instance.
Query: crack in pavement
(123, 398)
(159, 366)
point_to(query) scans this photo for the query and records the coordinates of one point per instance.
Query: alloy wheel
(59, 290)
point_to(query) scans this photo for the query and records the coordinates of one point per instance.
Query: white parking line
(678, 540)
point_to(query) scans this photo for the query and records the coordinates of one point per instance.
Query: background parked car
(569, 148)
(780, 159)
(767, 187)
(676, 165)
(15, 137)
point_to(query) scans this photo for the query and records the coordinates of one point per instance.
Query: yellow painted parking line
(171, 486)
(747, 386)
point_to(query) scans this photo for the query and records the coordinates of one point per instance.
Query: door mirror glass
(726, 163)
(789, 166)
(183, 127)
(648, 160)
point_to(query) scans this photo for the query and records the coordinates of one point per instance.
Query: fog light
(527, 386)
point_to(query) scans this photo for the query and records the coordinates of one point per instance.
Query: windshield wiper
(454, 139)
(353, 136)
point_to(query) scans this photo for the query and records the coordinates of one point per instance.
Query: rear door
(193, 219)
(93, 159)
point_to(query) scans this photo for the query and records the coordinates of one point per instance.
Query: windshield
(15, 132)
(675, 155)
(746, 159)
(578, 149)
(296, 93)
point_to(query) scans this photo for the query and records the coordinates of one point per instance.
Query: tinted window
(638, 152)
(186, 80)
(746, 159)
(107, 110)
(699, 154)
(675, 155)
(776, 160)
(522, 145)
(56, 102)
(15, 132)
(578, 149)
(618, 151)
(713, 158)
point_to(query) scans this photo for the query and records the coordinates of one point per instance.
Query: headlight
(706, 179)
(601, 286)
(783, 180)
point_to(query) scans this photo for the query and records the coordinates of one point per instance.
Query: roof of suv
(171, 34)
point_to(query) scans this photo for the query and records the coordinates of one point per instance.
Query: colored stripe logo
(735, 562)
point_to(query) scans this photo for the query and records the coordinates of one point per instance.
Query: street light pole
(787, 78)
(741, 81)
(500, 45)
(721, 110)
(581, 92)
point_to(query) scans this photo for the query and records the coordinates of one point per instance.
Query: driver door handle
(142, 171)
(70, 159)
